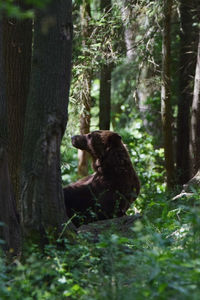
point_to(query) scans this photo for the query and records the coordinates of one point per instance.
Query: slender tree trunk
(17, 57)
(187, 67)
(166, 95)
(131, 28)
(10, 231)
(83, 156)
(195, 119)
(42, 201)
(105, 81)
(105, 97)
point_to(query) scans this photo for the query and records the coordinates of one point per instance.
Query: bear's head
(97, 143)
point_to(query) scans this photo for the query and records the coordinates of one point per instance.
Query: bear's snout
(79, 141)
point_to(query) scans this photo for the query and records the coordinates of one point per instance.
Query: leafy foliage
(159, 260)
(10, 8)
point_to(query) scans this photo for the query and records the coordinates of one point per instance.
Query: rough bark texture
(195, 119)
(10, 231)
(130, 28)
(46, 117)
(17, 57)
(83, 157)
(187, 67)
(105, 97)
(105, 81)
(165, 95)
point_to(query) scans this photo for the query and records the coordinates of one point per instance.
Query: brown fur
(108, 192)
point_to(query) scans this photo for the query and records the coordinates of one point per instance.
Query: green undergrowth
(158, 260)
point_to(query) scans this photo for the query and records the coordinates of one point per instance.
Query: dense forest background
(134, 68)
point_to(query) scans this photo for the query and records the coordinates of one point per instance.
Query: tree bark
(195, 119)
(83, 156)
(105, 81)
(166, 95)
(10, 229)
(131, 28)
(105, 97)
(43, 209)
(187, 67)
(17, 56)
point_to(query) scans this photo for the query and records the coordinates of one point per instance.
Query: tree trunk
(105, 81)
(195, 119)
(105, 97)
(83, 156)
(131, 28)
(17, 57)
(165, 95)
(10, 231)
(187, 67)
(42, 201)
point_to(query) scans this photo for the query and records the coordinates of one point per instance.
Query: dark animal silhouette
(108, 192)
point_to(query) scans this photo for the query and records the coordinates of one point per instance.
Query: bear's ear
(114, 140)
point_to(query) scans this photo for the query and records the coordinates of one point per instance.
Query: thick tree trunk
(187, 67)
(105, 81)
(10, 231)
(83, 156)
(195, 119)
(43, 208)
(17, 57)
(165, 95)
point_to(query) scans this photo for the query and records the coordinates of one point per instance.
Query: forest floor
(157, 259)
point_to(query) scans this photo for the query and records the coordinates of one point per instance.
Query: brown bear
(108, 192)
